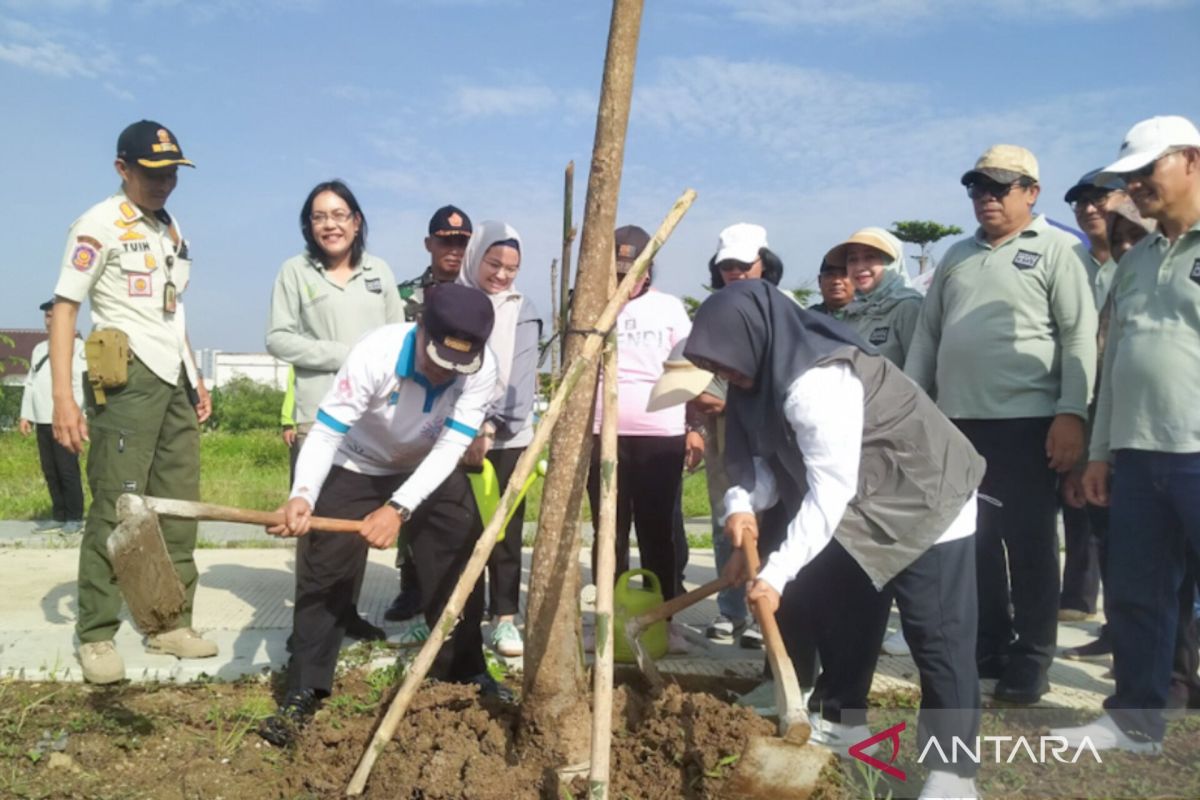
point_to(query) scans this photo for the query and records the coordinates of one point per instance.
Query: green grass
(247, 470)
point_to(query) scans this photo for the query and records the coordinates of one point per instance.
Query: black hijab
(754, 328)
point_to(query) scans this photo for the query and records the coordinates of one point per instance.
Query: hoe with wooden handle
(142, 566)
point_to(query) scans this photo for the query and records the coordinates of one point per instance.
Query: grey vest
(916, 471)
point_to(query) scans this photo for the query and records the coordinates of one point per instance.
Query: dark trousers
(504, 565)
(649, 471)
(1154, 523)
(801, 599)
(328, 569)
(60, 468)
(936, 595)
(1016, 547)
(1083, 530)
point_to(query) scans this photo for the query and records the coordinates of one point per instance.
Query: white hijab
(507, 304)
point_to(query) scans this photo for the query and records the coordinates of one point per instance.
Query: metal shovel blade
(143, 568)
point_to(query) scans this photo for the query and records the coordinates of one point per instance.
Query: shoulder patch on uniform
(879, 335)
(1024, 259)
(406, 290)
(128, 211)
(88, 240)
(84, 256)
(1195, 274)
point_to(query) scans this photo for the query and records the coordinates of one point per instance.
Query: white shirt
(37, 402)
(381, 417)
(122, 260)
(824, 406)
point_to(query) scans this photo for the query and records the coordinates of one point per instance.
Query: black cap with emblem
(151, 145)
(449, 221)
(457, 320)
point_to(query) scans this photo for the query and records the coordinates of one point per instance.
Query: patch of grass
(230, 727)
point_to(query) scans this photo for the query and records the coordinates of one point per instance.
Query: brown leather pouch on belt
(108, 357)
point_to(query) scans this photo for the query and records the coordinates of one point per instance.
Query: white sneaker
(506, 639)
(941, 785)
(837, 737)
(896, 645)
(101, 663)
(677, 643)
(1105, 734)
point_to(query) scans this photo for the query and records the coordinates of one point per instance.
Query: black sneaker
(751, 638)
(1097, 650)
(488, 687)
(293, 713)
(359, 629)
(992, 667)
(1023, 684)
(406, 606)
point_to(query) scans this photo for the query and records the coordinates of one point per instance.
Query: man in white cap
(1147, 431)
(1006, 344)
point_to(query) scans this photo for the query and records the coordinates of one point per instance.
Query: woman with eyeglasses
(491, 264)
(885, 306)
(325, 299)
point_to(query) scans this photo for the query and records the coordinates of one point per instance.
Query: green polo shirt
(1147, 396)
(314, 321)
(1009, 331)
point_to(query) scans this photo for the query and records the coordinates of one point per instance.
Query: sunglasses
(729, 265)
(977, 190)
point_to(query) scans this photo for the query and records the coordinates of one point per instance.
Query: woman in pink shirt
(649, 443)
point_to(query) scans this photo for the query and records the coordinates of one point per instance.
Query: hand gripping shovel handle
(189, 509)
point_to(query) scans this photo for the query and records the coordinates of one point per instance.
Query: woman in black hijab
(879, 487)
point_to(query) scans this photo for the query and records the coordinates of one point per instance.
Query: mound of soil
(69, 741)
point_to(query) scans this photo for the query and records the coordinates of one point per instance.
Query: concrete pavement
(244, 604)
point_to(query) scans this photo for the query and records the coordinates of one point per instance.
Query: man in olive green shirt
(1006, 345)
(1147, 431)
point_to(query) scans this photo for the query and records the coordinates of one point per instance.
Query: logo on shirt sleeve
(1026, 260)
(879, 335)
(1195, 274)
(86, 253)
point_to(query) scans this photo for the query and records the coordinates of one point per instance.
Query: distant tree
(243, 404)
(10, 396)
(692, 305)
(924, 233)
(803, 295)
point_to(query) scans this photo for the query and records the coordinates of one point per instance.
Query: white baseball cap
(741, 242)
(1150, 140)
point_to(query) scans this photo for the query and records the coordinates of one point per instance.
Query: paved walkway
(244, 604)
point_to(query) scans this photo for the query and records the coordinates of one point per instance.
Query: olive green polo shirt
(1008, 332)
(123, 260)
(1147, 396)
(314, 321)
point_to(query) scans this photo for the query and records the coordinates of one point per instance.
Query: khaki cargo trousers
(145, 439)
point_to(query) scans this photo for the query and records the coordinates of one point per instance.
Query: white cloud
(505, 101)
(880, 13)
(60, 56)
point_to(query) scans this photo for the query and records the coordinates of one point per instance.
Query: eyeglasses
(1090, 199)
(1147, 171)
(729, 265)
(977, 190)
(340, 216)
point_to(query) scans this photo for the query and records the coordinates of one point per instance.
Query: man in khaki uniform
(127, 255)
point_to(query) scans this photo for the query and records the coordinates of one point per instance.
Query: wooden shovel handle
(679, 603)
(190, 509)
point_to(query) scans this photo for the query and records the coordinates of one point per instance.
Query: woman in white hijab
(885, 306)
(491, 263)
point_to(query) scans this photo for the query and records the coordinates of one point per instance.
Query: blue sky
(813, 118)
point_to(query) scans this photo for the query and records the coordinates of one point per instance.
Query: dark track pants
(60, 468)
(504, 565)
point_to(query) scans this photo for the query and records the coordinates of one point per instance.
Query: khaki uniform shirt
(1147, 396)
(1009, 331)
(122, 260)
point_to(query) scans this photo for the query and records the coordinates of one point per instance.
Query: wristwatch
(404, 512)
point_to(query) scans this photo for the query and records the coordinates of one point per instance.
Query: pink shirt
(647, 328)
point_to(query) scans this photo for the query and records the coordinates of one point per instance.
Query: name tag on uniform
(1026, 260)
(374, 285)
(1195, 274)
(879, 335)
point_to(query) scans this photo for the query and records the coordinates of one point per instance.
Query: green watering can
(486, 489)
(629, 602)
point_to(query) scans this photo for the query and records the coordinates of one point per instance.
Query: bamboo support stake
(555, 346)
(568, 239)
(525, 465)
(606, 557)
